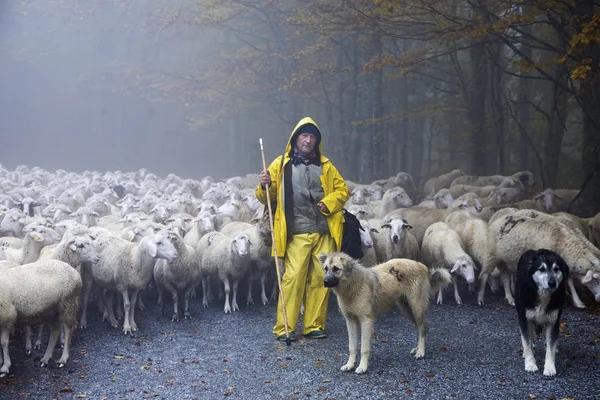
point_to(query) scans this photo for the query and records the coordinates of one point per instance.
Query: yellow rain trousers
(302, 268)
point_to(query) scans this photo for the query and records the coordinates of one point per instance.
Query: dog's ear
(322, 257)
(349, 266)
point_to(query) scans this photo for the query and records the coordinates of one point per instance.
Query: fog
(188, 88)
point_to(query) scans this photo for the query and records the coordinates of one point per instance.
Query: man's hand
(321, 206)
(264, 178)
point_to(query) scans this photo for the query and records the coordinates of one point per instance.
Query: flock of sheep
(70, 240)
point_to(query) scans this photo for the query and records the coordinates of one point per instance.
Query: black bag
(351, 244)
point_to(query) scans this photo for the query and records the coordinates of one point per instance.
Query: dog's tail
(440, 279)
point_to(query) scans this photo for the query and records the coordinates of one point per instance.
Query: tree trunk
(556, 128)
(379, 153)
(588, 204)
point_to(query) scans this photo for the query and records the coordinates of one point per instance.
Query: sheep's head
(465, 267)
(592, 281)
(240, 244)
(547, 197)
(44, 235)
(401, 198)
(469, 202)
(205, 222)
(359, 195)
(398, 228)
(365, 233)
(84, 248)
(229, 209)
(443, 198)
(159, 246)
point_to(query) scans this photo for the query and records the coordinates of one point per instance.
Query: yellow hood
(305, 121)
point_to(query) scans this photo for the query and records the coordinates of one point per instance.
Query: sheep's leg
(507, 292)
(204, 292)
(27, 339)
(127, 307)
(66, 334)
(140, 302)
(186, 303)
(88, 284)
(456, 295)
(54, 333)
(193, 293)
(108, 304)
(439, 296)
(249, 299)
(119, 308)
(263, 294)
(234, 304)
(227, 290)
(4, 337)
(175, 296)
(134, 297)
(38, 342)
(574, 297)
(483, 278)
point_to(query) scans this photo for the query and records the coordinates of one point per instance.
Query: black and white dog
(540, 293)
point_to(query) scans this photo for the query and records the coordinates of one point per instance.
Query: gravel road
(472, 353)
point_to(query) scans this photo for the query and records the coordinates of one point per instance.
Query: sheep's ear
(558, 197)
(588, 276)
(72, 246)
(455, 267)
(130, 236)
(95, 214)
(250, 243)
(322, 257)
(152, 248)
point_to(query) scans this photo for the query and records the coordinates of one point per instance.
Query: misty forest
(425, 87)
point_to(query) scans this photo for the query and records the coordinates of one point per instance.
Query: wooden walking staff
(287, 331)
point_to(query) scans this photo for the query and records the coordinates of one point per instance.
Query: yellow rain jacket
(334, 187)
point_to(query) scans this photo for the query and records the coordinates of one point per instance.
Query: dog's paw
(360, 370)
(531, 367)
(549, 370)
(347, 367)
(418, 354)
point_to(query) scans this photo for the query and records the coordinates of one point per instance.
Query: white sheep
(33, 243)
(369, 258)
(420, 218)
(179, 275)
(261, 260)
(433, 185)
(44, 292)
(393, 199)
(126, 268)
(443, 248)
(230, 256)
(203, 223)
(442, 199)
(395, 241)
(512, 235)
(232, 210)
(474, 235)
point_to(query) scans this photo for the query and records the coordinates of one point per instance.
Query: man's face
(306, 143)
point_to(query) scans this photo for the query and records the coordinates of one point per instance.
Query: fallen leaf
(113, 378)
(227, 394)
(321, 389)
(319, 364)
(81, 396)
(226, 371)
(431, 374)
(326, 380)
(442, 349)
(384, 340)
(532, 396)
(268, 381)
(66, 390)
(404, 381)
(145, 367)
(119, 357)
(563, 324)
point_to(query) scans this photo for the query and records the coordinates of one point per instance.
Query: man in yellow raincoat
(309, 193)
